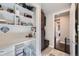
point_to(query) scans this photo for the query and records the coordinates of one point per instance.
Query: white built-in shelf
(17, 28)
(8, 5)
(26, 19)
(17, 33)
(6, 15)
(9, 17)
(23, 10)
(15, 7)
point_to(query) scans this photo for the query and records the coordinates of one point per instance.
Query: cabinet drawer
(6, 50)
(10, 53)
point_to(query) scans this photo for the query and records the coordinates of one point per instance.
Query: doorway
(61, 32)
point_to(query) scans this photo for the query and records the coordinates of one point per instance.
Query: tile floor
(53, 52)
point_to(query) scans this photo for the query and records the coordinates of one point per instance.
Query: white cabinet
(8, 51)
(26, 48)
(18, 24)
(14, 25)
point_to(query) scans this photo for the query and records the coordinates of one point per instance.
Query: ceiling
(50, 8)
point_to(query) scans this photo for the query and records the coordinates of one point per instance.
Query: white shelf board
(12, 15)
(8, 5)
(16, 6)
(23, 10)
(17, 28)
(7, 15)
(25, 42)
(26, 19)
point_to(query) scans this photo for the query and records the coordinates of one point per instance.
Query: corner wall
(49, 29)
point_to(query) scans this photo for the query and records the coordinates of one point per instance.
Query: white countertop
(8, 42)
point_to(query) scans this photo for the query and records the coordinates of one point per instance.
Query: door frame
(53, 22)
(58, 13)
(38, 29)
(72, 27)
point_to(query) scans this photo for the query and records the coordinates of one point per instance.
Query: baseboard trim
(51, 46)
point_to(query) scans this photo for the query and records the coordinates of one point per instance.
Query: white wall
(49, 9)
(49, 29)
(64, 27)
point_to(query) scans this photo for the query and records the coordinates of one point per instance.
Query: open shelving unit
(18, 14)
(16, 19)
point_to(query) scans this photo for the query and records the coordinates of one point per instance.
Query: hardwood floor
(63, 47)
(53, 52)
